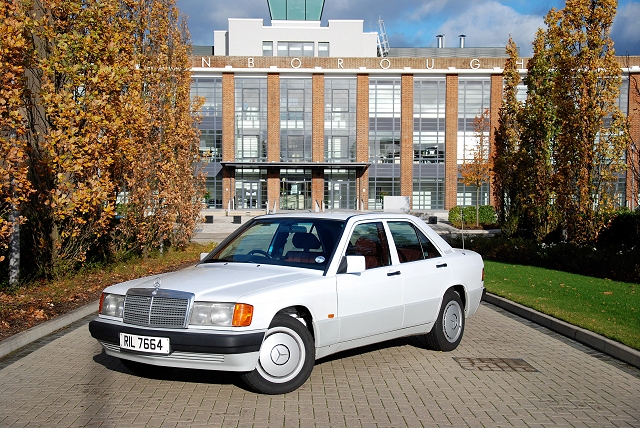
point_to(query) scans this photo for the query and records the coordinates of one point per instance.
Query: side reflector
(242, 315)
(330, 316)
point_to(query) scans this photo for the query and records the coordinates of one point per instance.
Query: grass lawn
(606, 307)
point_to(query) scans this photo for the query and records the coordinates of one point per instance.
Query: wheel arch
(462, 292)
(302, 313)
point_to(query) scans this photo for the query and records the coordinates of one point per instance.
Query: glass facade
(474, 96)
(295, 119)
(251, 119)
(249, 169)
(340, 120)
(210, 136)
(429, 100)
(210, 89)
(384, 139)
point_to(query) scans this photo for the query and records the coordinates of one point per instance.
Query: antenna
(383, 40)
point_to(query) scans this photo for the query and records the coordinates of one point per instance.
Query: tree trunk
(14, 249)
(477, 206)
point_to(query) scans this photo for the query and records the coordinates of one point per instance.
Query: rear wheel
(447, 332)
(287, 356)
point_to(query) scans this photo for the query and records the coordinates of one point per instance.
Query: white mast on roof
(383, 40)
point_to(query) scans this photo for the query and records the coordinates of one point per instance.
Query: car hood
(222, 282)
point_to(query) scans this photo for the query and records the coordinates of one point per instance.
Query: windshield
(307, 243)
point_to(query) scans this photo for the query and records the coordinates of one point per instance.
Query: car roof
(339, 215)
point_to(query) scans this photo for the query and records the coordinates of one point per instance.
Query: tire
(287, 340)
(447, 332)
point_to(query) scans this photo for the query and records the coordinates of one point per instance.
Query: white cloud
(490, 24)
(624, 31)
(487, 23)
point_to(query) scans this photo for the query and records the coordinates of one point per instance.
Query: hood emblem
(156, 285)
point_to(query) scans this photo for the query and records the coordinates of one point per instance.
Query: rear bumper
(196, 350)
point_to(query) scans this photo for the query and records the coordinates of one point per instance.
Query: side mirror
(355, 264)
(203, 256)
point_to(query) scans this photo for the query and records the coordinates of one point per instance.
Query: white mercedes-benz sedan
(287, 289)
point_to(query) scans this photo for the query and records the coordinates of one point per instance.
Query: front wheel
(447, 332)
(287, 356)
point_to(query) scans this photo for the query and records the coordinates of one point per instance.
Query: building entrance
(295, 189)
(340, 189)
(250, 189)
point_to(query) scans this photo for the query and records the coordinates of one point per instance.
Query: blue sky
(415, 23)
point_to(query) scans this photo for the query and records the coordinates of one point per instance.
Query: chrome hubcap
(452, 321)
(281, 355)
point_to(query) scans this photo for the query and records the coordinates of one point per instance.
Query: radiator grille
(167, 308)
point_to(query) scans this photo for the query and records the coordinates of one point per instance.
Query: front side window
(369, 240)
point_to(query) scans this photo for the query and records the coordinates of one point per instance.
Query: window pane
(295, 100)
(323, 49)
(340, 101)
(267, 48)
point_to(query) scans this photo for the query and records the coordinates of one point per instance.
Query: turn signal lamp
(242, 315)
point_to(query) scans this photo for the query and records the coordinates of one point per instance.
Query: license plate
(148, 344)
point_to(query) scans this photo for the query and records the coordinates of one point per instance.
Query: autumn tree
(507, 180)
(539, 129)
(84, 60)
(104, 116)
(633, 153)
(590, 146)
(476, 168)
(161, 201)
(15, 187)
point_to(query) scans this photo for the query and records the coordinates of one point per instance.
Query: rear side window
(411, 243)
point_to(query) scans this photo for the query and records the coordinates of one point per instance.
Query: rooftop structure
(296, 10)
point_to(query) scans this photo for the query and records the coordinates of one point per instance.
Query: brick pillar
(273, 117)
(273, 188)
(273, 137)
(406, 138)
(496, 103)
(317, 188)
(228, 136)
(317, 118)
(362, 138)
(317, 150)
(451, 143)
(633, 157)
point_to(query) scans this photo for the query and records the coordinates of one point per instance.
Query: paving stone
(66, 380)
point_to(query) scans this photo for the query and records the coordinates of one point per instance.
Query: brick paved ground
(532, 378)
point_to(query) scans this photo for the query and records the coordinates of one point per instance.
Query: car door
(369, 302)
(424, 272)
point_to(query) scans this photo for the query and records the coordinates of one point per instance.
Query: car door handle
(393, 273)
(442, 265)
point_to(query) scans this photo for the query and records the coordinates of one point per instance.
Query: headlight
(112, 305)
(221, 314)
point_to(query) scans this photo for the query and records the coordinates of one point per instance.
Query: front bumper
(196, 350)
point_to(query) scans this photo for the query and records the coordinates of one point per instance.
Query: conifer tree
(540, 127)
(590, 147)
(507, 180)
